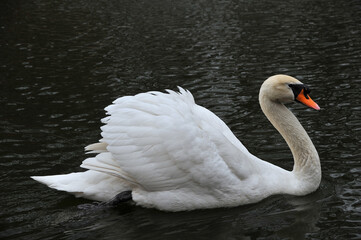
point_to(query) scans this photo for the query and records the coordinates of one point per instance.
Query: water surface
(62, 62)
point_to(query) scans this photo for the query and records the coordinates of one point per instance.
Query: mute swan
(164, 151)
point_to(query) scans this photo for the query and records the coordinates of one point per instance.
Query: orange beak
(306, 99)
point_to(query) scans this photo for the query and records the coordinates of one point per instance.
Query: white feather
(89, 184)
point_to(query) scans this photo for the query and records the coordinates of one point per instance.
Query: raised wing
(164, 141)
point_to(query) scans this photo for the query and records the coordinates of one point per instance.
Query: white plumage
(173, 155)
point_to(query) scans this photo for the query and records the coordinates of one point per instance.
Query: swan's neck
(307, 169)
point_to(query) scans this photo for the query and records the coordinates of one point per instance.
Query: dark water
(62, 62)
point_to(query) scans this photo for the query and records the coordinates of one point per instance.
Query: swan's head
(285, 89)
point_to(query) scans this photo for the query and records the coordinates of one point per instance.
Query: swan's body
(174, 155)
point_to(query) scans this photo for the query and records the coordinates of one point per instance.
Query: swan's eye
(307, 89)
(296, 89)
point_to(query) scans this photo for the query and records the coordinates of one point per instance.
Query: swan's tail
(90, 184)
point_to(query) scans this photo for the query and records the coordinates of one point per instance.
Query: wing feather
(164, 141)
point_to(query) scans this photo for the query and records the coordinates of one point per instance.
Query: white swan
(166, 152)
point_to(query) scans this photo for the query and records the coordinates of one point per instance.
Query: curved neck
(307, 167)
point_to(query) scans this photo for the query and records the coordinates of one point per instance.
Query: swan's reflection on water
(266, 219)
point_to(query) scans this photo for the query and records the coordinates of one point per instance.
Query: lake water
(62, 62)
